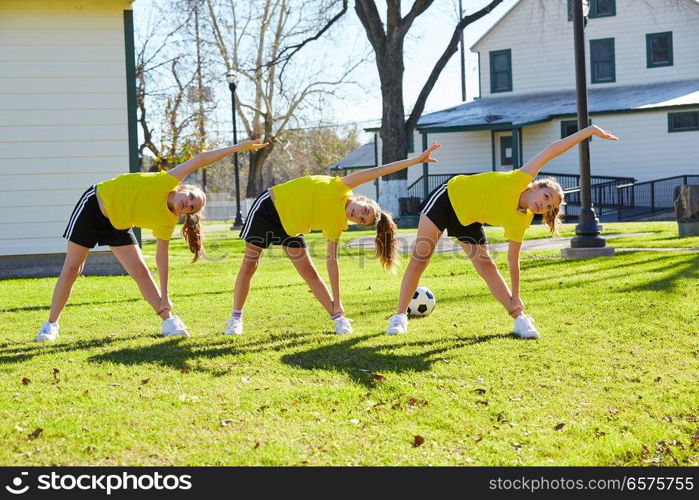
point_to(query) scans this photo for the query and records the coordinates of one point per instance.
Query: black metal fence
(647, 198)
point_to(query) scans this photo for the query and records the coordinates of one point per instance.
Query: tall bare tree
(169, 93)
(387, 43)
(262, 41)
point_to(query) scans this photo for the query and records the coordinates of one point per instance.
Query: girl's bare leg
(487, 270)
(304, 265)
(131, 258)
(248, 267)
(427, 237)
(76, 255)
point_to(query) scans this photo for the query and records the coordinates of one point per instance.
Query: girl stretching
(284, 212)
(507, 199)
(106, 214)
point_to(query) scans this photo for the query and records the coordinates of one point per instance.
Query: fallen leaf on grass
(37, 432)
(668, 419)
(695, 439)
(415, 402)
(26, 381)
(257, 445)
(377, 376)
(184, 371)
(396, 406)
(658, 379)
(145, 381)
(418, 441)
(19, 428)
(354, 421)
(480, 391)
(56, 371)
(613, 411)
(478, 438)
(225, 422)
(559, 426)
(481, 402)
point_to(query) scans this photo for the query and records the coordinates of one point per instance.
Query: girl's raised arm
(207, 158)
(358, 178)
(557, 148)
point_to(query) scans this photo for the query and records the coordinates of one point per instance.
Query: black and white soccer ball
(422, 303)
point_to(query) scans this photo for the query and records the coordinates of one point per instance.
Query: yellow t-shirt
(313, 202)
(491, 198)
(140, 200)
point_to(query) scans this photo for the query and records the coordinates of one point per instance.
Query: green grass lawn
(613, 380)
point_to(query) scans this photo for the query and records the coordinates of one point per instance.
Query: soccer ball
(422, 303)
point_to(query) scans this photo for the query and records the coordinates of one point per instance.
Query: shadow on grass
(20, 352)
(179, 353)
(359, 362)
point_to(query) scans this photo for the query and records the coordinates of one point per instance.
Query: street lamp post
(232, 78)
(587, 232)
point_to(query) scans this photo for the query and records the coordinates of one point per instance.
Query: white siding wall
(646, 151)
(63, 113)
(460, 152)
(541, 40)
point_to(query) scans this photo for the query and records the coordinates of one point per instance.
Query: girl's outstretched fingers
(426, 156)
(604, 134)
(255, 144)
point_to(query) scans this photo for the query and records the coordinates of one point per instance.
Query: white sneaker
(397, 324)
(524, 327)
(342, 325)
(234, 326)
(49, 331)
(173, 326)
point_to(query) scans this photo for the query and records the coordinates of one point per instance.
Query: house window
(659, 49)
(569, 127)
(602, 8)
(598, 8)
(602, 60)
(506, 150)
(681, 122)
(501, 71)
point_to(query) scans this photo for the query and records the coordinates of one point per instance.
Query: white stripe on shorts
(76, 213)
(251, 215)
(435, 196)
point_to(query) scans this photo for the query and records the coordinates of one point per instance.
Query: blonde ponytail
(385, 241)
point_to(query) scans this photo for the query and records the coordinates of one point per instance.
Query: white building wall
(460, 152)
(63, 113)
(540, 38)
(646, 150)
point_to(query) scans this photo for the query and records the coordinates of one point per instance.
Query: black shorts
(263, 227)
(437, 207)
(88, 226)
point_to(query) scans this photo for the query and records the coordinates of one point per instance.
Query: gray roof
(362, 157)
(503, 112)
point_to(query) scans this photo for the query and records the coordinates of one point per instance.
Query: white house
(642, 63)
(67, 117)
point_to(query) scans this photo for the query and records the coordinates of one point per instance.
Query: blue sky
(361, 103)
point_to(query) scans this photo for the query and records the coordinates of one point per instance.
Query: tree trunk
(394, 139)
(255, 178)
